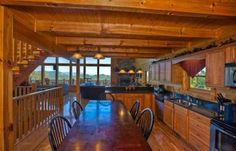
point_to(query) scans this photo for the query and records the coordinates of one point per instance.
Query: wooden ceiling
(123, 28)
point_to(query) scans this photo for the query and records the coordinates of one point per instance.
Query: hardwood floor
(161, 139)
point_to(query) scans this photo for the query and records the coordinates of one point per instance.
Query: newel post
(6, 80)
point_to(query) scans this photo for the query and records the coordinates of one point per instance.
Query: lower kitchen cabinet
(199, 131)
(181, 121)
(128, 99)
(191, 126)
(168, 114)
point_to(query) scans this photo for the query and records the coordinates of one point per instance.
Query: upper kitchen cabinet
(215, 62)
(230, 54)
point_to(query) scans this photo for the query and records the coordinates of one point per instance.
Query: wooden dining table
(104, 125)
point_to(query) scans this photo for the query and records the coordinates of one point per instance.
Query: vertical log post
(6, 80)
(78, 80)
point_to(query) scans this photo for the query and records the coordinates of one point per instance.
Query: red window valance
(192, 67)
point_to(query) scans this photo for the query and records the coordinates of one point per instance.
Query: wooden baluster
(30, 107)
(25, 115)
(34, 110)
(38, 109)
(21, 116)
(15, 119)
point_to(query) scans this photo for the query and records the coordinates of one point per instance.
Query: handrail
(35, 93)
(35, 109)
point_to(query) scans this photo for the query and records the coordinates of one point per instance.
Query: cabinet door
(168, 114)
(168, 71)
(181, 121)
(215, 62)
(162, 71)
(157, 71)
(230, 54)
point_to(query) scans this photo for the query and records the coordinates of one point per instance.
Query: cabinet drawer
(168, 103)
(198, 127)
(199, 118)
(181, 110)
(197, 144)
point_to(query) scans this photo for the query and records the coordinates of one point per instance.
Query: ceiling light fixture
(77, 55)
(122, 71)
(98, 55)
(131, 71)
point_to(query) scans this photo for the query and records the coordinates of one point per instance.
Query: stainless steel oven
(230, 74)
(223, 136)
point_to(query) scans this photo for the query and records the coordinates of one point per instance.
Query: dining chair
(105, 96)
(134, 110)
(76, 109)
(145, 122)
(59, 127)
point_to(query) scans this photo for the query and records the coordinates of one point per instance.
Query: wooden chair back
(59, 127)
(145, 122)
(134, 110)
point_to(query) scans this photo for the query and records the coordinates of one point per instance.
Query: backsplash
(201, 103)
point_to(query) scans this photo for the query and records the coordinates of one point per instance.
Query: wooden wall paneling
(6, 80)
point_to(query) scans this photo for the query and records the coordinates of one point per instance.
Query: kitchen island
(128, 96)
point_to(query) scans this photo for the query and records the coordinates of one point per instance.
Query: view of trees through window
(63, 71)
(199, 80)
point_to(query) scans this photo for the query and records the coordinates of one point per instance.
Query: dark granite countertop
(135, 90)
(195, 108)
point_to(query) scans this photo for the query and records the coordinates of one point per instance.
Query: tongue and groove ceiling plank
(199, 8)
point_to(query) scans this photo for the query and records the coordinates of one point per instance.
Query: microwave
(230, 75)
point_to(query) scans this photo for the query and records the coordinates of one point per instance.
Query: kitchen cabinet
(199, 131)
(181, 121)
(230, 54)
(162, 71)
(215, 62)
(168, 114)
(157, 73)
(168, 71)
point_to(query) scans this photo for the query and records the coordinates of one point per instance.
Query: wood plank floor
(161, 139)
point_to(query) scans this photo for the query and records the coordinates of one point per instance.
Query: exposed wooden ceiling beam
(121, 29)
(200, 8)
(117, 42)
(120, 50)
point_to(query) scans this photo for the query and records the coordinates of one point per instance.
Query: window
(35, 76)
(63, 74)
(105, 76)
(49, 75)
(66, 71)
(105, 61)
(63, 60)
(199, 80)
(91, 74)
(50, 60)
(91, 60)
